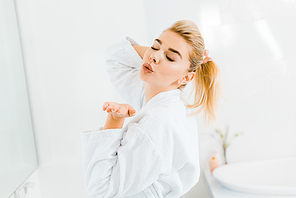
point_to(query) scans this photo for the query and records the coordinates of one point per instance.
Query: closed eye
(169, 59)
(166, 56)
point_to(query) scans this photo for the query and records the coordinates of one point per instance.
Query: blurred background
(53, 82)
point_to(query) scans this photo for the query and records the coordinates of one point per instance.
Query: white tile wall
(64, 42)
(258, 74)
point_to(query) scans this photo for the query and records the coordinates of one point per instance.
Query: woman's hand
(119, 110)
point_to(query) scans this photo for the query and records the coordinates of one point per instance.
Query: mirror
(17, 146)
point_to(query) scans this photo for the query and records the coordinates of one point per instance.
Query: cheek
(173, 71)
(169, 71)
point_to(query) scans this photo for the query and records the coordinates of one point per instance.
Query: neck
(151, 91)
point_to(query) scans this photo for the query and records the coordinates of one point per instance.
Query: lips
(148, 66)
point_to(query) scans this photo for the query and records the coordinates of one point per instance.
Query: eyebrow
(171, 49)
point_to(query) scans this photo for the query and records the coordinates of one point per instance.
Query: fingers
(105, 105)
(122, 110)
(132, 112)
(110, 106)
(126, 109)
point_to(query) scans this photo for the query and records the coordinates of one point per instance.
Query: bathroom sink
(269, 177)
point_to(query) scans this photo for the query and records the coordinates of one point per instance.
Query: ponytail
(207, 83)
(207, 87)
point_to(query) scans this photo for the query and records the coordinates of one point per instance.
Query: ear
(186, 79)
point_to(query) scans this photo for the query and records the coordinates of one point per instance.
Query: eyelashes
(166, 56)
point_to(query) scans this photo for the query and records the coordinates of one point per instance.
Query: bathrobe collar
(174, 94)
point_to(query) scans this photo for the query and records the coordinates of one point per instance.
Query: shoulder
(161, 118)
(161, 112)
(170, 119)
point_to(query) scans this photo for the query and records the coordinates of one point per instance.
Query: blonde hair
(207, 83)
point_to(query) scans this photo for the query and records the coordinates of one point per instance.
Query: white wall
(253, 44)
(254, 47)
(63, 44)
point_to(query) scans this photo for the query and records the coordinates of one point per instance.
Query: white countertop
(220, 191)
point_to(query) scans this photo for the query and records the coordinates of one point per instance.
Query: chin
(143, 76)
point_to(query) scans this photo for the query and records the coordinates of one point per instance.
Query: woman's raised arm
(140, 50)
(122, 64)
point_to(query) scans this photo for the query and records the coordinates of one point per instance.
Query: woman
(156, 154)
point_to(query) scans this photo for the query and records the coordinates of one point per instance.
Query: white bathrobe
(156, 154)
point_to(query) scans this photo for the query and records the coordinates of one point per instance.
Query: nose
(154, 57)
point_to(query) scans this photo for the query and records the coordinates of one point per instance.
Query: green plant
(224, 140)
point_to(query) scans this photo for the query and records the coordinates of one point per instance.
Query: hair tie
(206, 58)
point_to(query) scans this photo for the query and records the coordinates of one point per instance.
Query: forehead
(173, 40)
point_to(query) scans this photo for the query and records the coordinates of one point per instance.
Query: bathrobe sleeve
(114, 166)
(123, 65)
